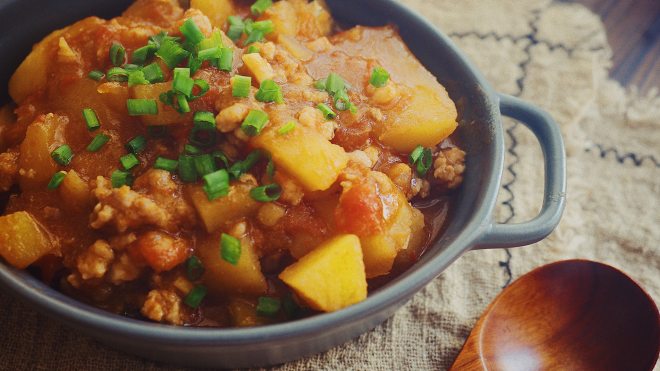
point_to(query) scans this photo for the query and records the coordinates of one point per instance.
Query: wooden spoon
(569, 315)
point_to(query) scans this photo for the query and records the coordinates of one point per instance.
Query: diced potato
(217, 213)
(167, 115)
(259, 67)
(243, 313)
(427, 119)
(294, 47)
(217, 10)
(75, 192)
(221, 277)
(284, 18)
(22, 240)
(36, 166)
(331, 277)
(305, 155)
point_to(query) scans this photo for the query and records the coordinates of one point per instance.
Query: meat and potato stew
(227, 163)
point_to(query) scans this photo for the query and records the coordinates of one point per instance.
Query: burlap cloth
(553, 54)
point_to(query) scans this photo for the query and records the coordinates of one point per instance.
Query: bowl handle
(554, 197)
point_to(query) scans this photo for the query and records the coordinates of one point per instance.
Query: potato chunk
(22, 240)
(221, 277)
(331, 277)
(259, 67)
(166, 114)
(217, 213)
(305, 155)
(217, 10)
(35, 164)
(75, 192)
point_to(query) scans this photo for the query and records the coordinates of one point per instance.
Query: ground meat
(8, 170)
(449, 167)
(163, 306)
(94, 262)
(156, 201)
(125, 269)
(292, 193)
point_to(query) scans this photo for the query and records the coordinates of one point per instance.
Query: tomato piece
(360, 211)
(161, 251)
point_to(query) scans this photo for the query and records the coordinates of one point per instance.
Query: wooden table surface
(633, 30)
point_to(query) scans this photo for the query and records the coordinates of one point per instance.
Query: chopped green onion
(422, 159)
(217, 155)
(254, 36)
(211, 42)
(141, 55)
(204, 120)
(136, 145)
(240, 86)
(265, 27)
(270, 168)
(226, 61)
(204, 164)
(56, 180)
(130, 67)
(117, 54)
(117, 74)
(96, 75)
(236, 28)
(171, 53)
(194, 64)
(158, 40)
(334, 84)
(379, 77)
(269, 91)
(230, 249)
(328, 113)
(209, 54)
(187, 171)
(203, 88)
(182, 83)
(141, 107)
(204, 133)
(260, 6)
(137, 78)
(99, 141)
(195, 296)
(153, 73)
(62, 155)
(121, 178)
(166, 164)
(91, 119)
(320, 84)
(216, 184)
(182, 104)
(242, 167)
(268, 307)
(191, 31)
(255, 121)
(190, 149)
(252, 49)
(129, 161)
(287, 128)
(267, 193)
(194, 268)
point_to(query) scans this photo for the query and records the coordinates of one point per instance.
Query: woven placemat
(553, 54)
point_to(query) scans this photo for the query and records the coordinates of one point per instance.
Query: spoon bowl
(569, 315)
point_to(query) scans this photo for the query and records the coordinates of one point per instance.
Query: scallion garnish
(209, 54)
(320, 84)
(287, 128)
(337, 87)
(270, 168)
(226, 61)
(182, 83)
(260, 6)
(171, 52)
(192, 150)
(142, 55)
(334, 84)
(137, 144)
(137, 78)
(62, 155)
(187, 171)
(204, 120)
(269, 91)
(265, 27)
(194, 268)
(240, 86)
(141, 107)
(328, 113)
(129, 161)
(99, 141)
(194, 63)
(236, 28)
(204, 164)
(267, 306)
(422, 159)
(182, 104)
(242, 167)
(230, 249)
(91, 119)
(252, 49)
(217, 155)
(195, 296)
(267, 193)
(153, 73)
(130, 67)
(117, 54)
(166, 164)
(117, 74)
(56, 180)
(96, 75)
(379, 77)
(254, 36)
(215, 41)
(255, 121)
(216, 184)
(191, 32)
(202, 88)
(121, 178)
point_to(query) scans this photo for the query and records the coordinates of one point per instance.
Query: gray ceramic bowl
(471, 226)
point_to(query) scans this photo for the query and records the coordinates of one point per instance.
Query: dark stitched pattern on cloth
(622, 157)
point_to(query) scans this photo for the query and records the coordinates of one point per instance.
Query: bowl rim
(56, 304)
